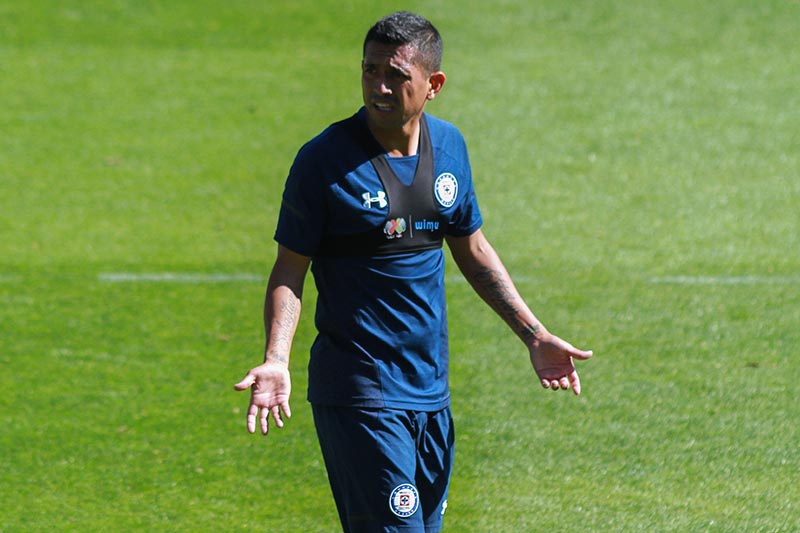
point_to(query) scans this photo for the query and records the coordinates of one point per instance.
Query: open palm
(270, 387)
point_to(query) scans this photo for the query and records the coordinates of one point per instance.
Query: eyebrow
(404, 72)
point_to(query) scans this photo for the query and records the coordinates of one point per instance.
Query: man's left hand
(552, 359)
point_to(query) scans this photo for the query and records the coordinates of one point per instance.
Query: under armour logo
(380, 199)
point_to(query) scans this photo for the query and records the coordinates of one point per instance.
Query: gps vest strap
(413, 222)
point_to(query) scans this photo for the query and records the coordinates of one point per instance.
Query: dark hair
(403, 28)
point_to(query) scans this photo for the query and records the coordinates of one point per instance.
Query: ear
(435, 83)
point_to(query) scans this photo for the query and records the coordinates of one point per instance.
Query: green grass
(623, 153)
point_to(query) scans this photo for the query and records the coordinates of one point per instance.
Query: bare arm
(282, 304)
(484, 270)
(270, 382)
(551, 356)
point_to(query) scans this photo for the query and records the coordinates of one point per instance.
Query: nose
(382, 86)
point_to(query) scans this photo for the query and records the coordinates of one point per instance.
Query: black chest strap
(413, 222)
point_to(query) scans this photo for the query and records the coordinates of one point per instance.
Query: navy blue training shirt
(381, 319)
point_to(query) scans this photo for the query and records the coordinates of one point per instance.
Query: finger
(555, 385)
(276, 415)
(286, 410)
(546, 383)
(264, 421)
(564, 383)
(246, 383)
(251, 418)
(576, 383)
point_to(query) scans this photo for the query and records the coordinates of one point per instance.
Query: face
(394, 86)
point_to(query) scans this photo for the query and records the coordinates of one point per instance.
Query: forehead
(402, 56)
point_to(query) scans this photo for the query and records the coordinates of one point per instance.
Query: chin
(386, 121)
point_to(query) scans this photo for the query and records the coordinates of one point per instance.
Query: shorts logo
(404, 501)
(446, 189)
(394, 228)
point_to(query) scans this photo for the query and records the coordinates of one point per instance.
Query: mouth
(383, 106)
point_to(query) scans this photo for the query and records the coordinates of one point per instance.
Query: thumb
(246, 383)
(581, 354)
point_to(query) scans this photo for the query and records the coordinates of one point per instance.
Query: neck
(398, 142)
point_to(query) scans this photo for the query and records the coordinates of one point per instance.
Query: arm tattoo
(494, 288)
(282, 330)
(530, 332)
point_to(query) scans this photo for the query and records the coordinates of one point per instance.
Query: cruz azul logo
(404, 500)
(446, 189)
(394, 228)
(379, 199)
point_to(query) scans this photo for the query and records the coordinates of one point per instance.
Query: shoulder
(446, 138)
(331, 154)
(330, 141)
(449, 146)
(443, 130)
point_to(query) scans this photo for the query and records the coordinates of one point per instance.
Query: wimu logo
(426, 225)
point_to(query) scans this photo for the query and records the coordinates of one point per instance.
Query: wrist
(532, 333)
(276, 358)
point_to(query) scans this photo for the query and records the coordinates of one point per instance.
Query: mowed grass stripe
(179, 277)
(726, 280)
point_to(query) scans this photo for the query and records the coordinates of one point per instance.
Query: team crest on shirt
(404, 500)
(394, 228)
(446, 189)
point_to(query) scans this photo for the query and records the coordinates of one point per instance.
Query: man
(368, 204)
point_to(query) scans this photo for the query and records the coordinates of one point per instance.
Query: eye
(398, 75)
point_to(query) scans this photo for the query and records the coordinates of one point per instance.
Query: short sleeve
(466, 218)
(301, 221)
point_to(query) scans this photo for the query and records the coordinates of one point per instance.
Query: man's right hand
(270, 386)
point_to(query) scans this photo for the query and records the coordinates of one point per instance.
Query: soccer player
(367, 205)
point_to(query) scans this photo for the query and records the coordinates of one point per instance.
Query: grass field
(638, 169)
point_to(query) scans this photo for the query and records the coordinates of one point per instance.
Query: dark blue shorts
(389, 469)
